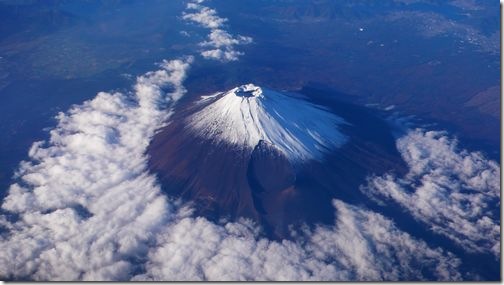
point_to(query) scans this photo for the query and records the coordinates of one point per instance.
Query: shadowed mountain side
(213, 178)
(272, 179)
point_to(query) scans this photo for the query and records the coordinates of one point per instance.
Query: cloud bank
(456, 193)
(220, 44)
(85, 204)
(362, 245)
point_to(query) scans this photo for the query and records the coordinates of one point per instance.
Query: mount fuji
(275, 157)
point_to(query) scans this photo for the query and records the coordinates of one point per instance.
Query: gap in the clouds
(82, 211)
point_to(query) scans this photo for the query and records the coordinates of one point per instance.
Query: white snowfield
(247, 114)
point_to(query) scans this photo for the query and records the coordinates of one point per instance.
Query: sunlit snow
(247, 114)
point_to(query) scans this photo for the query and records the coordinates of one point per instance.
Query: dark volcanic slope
(264, 183)
(272, 180)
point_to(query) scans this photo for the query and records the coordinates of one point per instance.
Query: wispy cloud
(219, 38)
(222, 54)
(221, 44)
(454, 192)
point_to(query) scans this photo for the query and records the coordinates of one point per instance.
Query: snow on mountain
(247, 114)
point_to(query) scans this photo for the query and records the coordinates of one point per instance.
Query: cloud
(204, 16)
(454, 192)
(222, 55)
(219, 38)
(362, 245)
(221, 44)
(86, 206)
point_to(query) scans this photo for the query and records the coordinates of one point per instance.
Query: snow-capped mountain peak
(244, 115)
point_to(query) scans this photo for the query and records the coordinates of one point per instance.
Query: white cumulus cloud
(86, 206)
(361, 245)
(204, 16)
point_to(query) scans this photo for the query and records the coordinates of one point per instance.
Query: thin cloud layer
(220, 44)
(454, 192)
